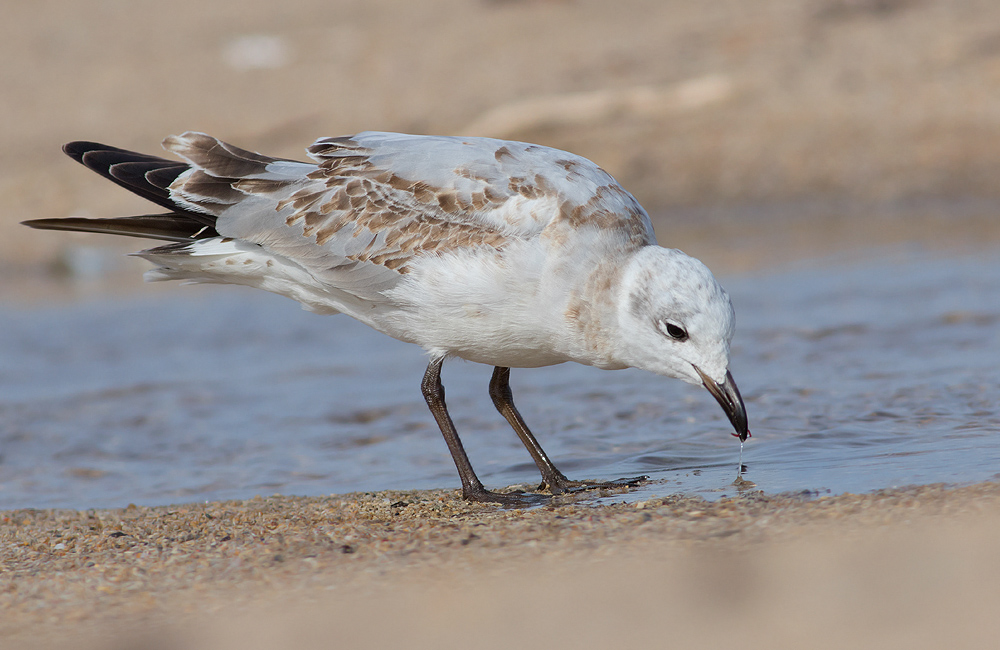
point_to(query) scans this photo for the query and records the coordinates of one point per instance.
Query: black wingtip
(102, 155)
(146, 175)
(76, 150)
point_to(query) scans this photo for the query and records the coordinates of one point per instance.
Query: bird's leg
(472, 488)
(503, 399)
(552, 478)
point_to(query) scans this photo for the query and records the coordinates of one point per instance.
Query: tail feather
(167, 227)
(147, 176)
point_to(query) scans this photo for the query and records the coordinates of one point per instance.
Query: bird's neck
(591, 315)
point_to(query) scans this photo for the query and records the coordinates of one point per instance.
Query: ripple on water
(856, 378)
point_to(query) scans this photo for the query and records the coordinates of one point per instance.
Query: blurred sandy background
(753, 131)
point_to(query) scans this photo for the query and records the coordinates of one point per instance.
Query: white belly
(485, 307)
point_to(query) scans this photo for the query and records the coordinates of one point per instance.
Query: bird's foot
(505, 499)
(563, 485)
(557, 486)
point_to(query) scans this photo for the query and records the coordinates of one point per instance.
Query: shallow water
(858, 375)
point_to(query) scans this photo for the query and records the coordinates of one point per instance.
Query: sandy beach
(911, 568)
(755, 133)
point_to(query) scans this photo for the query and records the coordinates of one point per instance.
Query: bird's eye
(673, 330)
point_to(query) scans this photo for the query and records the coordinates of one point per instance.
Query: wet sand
(912, 567)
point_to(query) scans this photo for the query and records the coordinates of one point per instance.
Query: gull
(498, 252)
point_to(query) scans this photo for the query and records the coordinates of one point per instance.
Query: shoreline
(99, 574)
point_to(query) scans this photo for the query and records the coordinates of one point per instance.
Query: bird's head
(676, 320)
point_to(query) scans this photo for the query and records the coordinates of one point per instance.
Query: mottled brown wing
(374, 203)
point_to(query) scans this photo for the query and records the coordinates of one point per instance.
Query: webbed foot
(562, 485)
